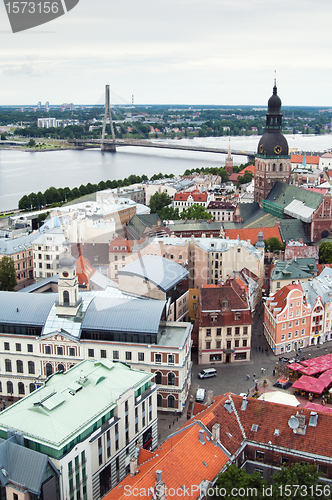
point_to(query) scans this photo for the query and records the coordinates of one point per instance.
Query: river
(25, 172)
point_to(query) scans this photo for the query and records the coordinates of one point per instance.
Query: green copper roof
(283, 194)
(293, 229)
(295, 269)
(70, 403)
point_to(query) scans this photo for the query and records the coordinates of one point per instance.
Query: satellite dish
(293, 422)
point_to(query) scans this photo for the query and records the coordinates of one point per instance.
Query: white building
(88, 421)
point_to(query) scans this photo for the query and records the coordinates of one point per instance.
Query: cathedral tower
(272, 161)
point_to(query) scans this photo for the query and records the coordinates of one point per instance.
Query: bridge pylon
(106, 146)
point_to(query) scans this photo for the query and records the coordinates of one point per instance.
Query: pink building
(298, 249)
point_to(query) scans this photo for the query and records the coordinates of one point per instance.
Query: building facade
(90, 444)
(224, 324)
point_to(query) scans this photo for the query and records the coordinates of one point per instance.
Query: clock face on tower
(278, 149)
(65, 274)
(261, 148)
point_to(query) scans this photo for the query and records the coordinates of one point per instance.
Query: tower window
(66, 298)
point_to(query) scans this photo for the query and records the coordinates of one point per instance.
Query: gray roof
(295, 269)
(124, 315)
(320, 286)
(24, 466)
(40, 284)
(10, 246)
(25, 309)
(162, 272)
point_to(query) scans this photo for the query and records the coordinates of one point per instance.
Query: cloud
(26, 70)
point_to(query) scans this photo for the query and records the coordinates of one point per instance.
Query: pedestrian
(253, 377)
(259, 348)
(248, 376)
(266, 350)
(274, 373)
(262, 370)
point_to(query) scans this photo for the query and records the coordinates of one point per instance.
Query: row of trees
(62, 195)
(8, 279)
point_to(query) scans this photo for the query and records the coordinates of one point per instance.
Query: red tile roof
(183, 460)
(314, 160)
(280, 298)
(84, 270)
(196, 195)
(249, 168)
(251, 233)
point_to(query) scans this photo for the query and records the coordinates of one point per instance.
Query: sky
(212, 52)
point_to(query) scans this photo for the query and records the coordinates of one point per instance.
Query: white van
(207, 372)
(200, 395)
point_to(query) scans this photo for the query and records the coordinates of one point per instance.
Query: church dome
(272, 144)
(274, 103)
(67, 261)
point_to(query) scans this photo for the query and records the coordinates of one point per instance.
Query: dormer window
(213, 318)
(225, 304)
(237, 316)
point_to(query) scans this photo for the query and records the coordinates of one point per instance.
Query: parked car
(207, 372)
(200, 395)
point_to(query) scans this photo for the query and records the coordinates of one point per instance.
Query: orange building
(287, 320)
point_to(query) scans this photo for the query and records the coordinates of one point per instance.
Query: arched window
(8, 365)
(158, 378)
(171, 379)
(280, 167)
(274, 167)
(31, 367)
(49, 369)
(32, 387)
(159, 401)
(66, 298)
(10, 388)
(61, 368)
(171, 402)
(21, 388)
(19, 366)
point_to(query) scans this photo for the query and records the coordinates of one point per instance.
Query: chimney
(158, 474)
(215, 433)
(201, 436)
(209, 397)
(133, 466)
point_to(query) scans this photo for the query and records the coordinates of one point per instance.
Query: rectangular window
(141, 356)
(283, 336)
(289, 335)
(290, 324)
(59, 351)
(237, 343)
(229, 344)
(108, 443)
(18, 347)
(244, 343)
(259, 455)
(100, 451)
(103, 353)
(6, 346)
(207, 345)
(208, 332)
(218, 331)
(47, 349)
(157, 358)
(115, 354)
(291, 314)
(302, 331)
(245, 330)
(91, 353)
(284, 326)
(237, 330)
(229, 331)
(71, 351)
(218, 344)
(128, 356)
(30, 348)
(303, 321)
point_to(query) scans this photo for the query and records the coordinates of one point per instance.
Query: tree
(234, 482)
(159, 201)
(325, 253)
(169, 213)
(3, 137)
(305, 476)
(244, 179)
(195, 212)
(8, 279)
(31, 143)
(272, 244)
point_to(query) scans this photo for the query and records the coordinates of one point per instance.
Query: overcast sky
(172, 52)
